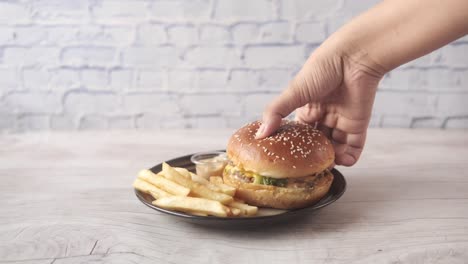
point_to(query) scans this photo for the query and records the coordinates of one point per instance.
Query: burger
(286, 170)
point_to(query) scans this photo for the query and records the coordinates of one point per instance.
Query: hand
(337, 85)
(337, 92)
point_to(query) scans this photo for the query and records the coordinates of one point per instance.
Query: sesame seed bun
(295, 150)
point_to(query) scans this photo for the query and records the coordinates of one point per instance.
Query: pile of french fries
(181, 190)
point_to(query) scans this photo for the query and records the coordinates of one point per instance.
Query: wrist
(352, 59)
(357, 55)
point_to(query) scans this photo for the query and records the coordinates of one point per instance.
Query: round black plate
(337, 189)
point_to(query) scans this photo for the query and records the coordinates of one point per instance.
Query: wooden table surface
(67, 198)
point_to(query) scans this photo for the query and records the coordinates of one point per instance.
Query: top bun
(294, 150)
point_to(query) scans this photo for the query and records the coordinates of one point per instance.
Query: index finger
(280, 108)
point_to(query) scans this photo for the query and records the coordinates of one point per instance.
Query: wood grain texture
(67, 198)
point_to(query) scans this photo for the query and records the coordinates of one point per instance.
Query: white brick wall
(138, 64)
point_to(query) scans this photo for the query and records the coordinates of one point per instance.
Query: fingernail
(260, 130)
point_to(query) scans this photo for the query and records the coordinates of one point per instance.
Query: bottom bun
(280, 197)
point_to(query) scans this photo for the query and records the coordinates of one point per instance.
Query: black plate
(337, 189)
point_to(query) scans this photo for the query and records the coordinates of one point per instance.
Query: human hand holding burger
(337, 92)
(337, 85)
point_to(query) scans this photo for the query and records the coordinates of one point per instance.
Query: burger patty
(304, 182)
(250, 177)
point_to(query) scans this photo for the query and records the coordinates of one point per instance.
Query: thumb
(290, 99)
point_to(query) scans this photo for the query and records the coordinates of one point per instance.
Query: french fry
(158, 193)
(229, 190)
(218, 181)
(163, 183)
(192, 204)
(203, 192)
(198, 214)
(214, 187)
(148, 188)
(234, 211)
(245, 209)
(184, 172)
(196, 189)
(198, 178)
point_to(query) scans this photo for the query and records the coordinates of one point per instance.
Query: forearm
(397, 31)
